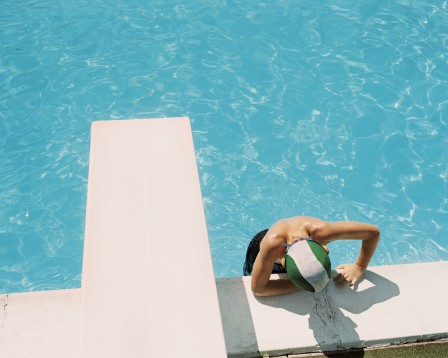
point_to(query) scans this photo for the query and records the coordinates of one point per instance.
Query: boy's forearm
(276, 287)
(368, 248)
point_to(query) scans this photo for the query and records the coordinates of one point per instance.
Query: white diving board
(148, 285)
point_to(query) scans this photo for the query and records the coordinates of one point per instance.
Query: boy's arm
(261, 284)
(368, 233)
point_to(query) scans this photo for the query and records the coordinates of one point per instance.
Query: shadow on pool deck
(332, 329)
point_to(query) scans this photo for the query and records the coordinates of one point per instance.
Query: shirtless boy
(272, 245)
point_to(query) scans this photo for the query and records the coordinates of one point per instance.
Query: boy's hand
(350, 273)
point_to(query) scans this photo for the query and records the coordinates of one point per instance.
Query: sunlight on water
(335, 110)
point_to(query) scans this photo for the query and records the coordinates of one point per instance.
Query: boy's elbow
(374, 234)
(377, 232)
(260, 293)
(257, 290)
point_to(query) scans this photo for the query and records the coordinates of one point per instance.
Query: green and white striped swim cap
(308, 265)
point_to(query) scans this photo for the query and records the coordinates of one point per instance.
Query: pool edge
(386, 308)
(45, 317)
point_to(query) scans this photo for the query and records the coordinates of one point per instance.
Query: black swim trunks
(252, 252)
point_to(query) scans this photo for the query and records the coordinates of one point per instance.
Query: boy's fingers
(340, 267)
(337, 276)
(339, 279)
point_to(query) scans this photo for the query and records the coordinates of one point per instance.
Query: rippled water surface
(334, 109)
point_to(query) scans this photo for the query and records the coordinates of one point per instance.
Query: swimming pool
(335, 110)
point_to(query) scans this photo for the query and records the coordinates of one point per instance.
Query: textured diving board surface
(148, 285)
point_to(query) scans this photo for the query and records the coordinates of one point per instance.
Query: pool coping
(385, 308)
(43, 318)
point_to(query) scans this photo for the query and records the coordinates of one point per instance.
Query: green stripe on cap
(308, 265)
(296, 276)
(321, 255)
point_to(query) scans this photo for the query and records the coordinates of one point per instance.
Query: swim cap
(308, 265)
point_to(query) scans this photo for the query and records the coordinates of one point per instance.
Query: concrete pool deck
(391, 305)
(142, 174)
(382, 312)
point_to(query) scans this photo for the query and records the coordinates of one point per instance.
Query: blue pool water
(334, 109)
